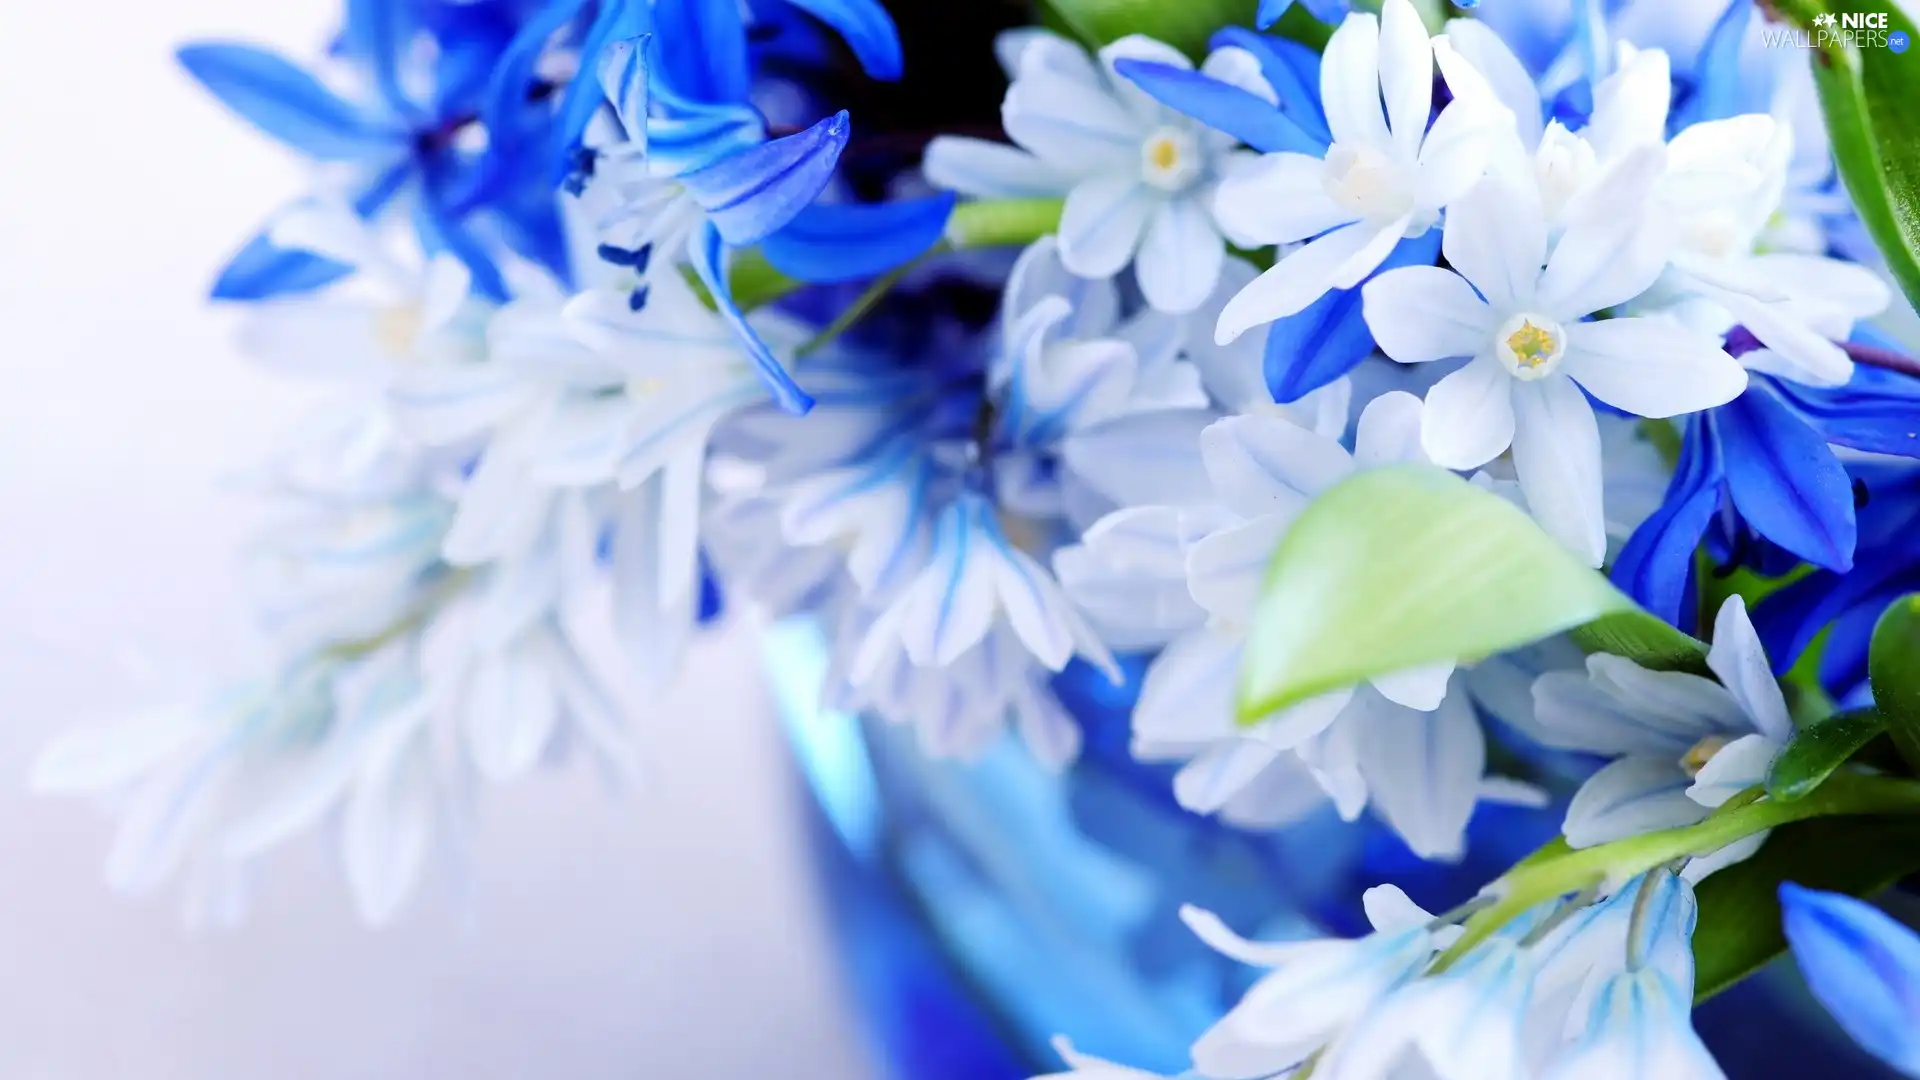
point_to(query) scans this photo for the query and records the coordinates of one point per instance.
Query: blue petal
(700, 50)
(752, 193)
(1843, 659)
(618, 21)
(509, 123)
(869, 31)
(1656, 565)
(287, 103)
(440, 232)
(707, 249)
(1716, 89)
(855, 240)
(377, 31)
(1221, 106)
(1590, 42)
(1306, 351)
(1863, 966)
(260, 270)
(1784, 479)
(694, 134)
(1790, 619)
(1877, 410)
(1292, 69)
(1270, 12)
(1327, 11)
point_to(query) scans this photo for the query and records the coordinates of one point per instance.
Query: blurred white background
(671, 934)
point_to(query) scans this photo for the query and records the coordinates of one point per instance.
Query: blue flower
(410, 138)
(1863, 966)
(1760, 469)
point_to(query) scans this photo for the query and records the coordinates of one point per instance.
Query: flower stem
(1609, 865)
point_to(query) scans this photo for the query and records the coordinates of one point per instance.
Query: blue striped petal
(1784, 479)
(1656, 566)
(693, 135)
(707, 249)
(855, 240)
(619, 22)
(750, 194)
(1863, 966)
(1221, 106)
(287, 103)
(1306, 351)
(700, 50)
(868, 30)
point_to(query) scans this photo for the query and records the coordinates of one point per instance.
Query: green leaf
(1645, 639)
(1739, 928)
(1409, 565)
(1893, 667)
(1868, 96)
(1186, 25)
(1815, 751)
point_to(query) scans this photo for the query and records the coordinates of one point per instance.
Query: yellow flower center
(1700, 753)
(1170, 159)
(1530, 346)
(397, 329)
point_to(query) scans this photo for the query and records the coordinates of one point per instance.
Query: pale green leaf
(1410, 565)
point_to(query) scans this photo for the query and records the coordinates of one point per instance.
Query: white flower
(1726, 182)
(1511, 1007)
(1316, 989)
(1385, 177)
(1138, 177)
(1405, 739)
(1515, 310)
(1683, 744)
(394, 312)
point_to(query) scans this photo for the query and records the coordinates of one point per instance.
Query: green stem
(1535, 882)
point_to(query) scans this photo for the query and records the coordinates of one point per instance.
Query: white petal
(1186, 696)
(511, 711)
(1496, 237)
(1406, 74)
(1102, 223)
(1419, 688)
(1390, 911)
(1423, 770)
(1458, 149)
(1298, 279)
(1488, 57)
(1220, 772)
(1033, 606)
(1469, 415)
(1630, 106)
(1740, 661)
(1735, 767)
(100, 759)
(1180, 256)
(950, 606)
(322, 336)
(1556, 453)
(1145, 109)
(1215, 933)
(1652, 367)
(1629, 797)
(1143, 458)
(388, 826)
(1072, 125)
(1618, 707)
(1350, 83)
(1276, 199)
(448, 283)
(1363, 262)
(1423, 313)
(1224, 570)
(1608, 253)
(991, 170)
(1263, 463)
(1388, 432)
(501, 508)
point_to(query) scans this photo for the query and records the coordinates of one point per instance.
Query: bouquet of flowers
(1438, 403)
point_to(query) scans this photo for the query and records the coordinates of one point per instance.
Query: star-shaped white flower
(1517, 312)
(1386, 176)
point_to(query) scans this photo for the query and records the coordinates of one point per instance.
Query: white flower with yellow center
(1683, 744)
(1385, 177)
(1516, 312)
(1138, 177)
